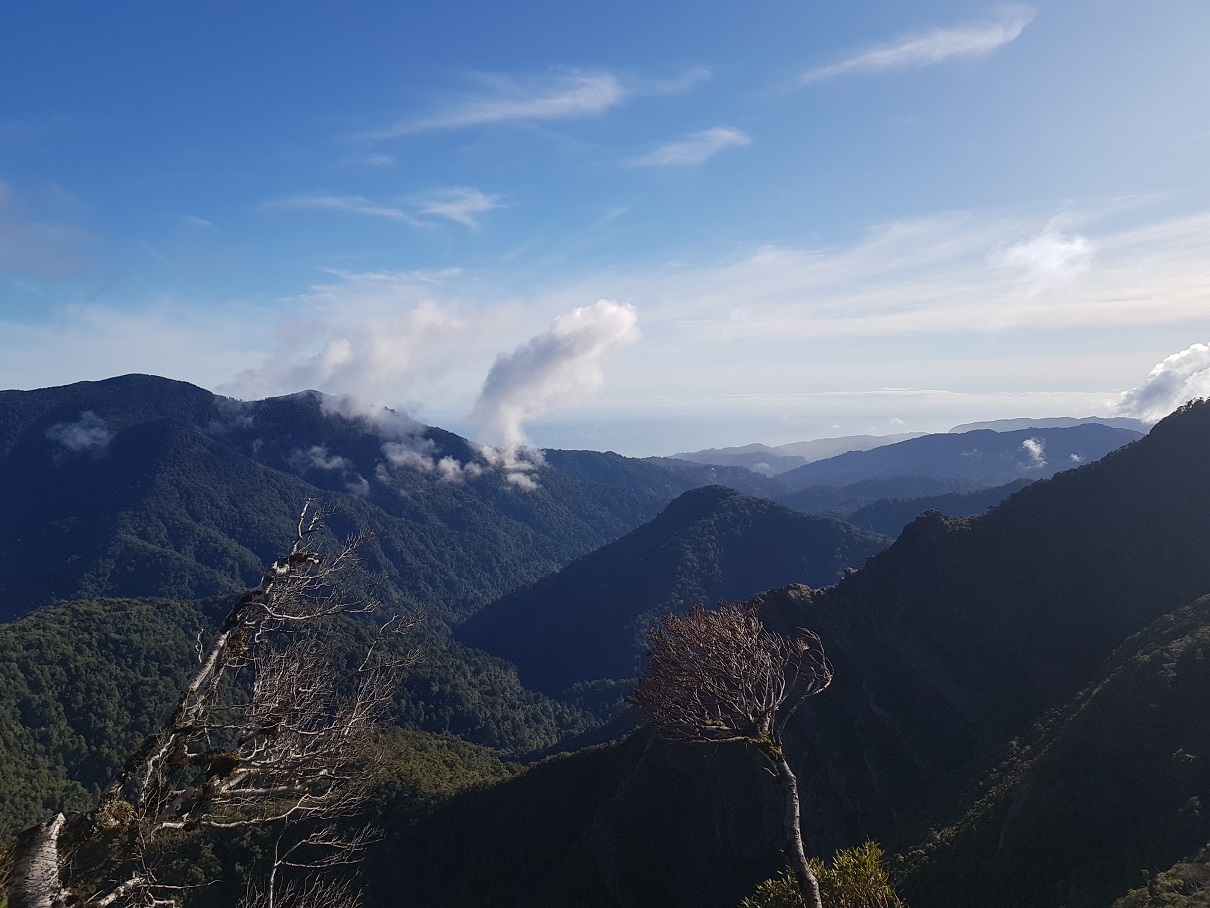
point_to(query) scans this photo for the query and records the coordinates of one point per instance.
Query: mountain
(953, 642)
(661, 476)
(139, 486)
(889, 516)
(588, 621)
(773, 460)
(983, 457)
(1055, 422)
(841, 501)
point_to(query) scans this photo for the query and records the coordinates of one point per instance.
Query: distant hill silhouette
(982, 457)
(1055, 422)
(772, 460)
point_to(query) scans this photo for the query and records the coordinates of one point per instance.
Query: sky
(646, 228)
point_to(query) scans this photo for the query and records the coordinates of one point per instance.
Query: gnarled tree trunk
(35, 878)
(808, 885)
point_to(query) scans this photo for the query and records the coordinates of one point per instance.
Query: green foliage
(779, 892)
(1114, 781)
(82, 682)
(856, 878)
(1186, 885)
(80, 685)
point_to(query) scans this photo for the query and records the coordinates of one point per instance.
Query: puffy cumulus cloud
(87, 435)
(1179, 378)
(1035, 450)
(556, 368)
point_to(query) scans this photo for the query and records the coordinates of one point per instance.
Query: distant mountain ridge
(771, 460)
(982, 457)
(1054, 422)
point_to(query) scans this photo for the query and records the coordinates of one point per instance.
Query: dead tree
(718, 676)
(266, 735)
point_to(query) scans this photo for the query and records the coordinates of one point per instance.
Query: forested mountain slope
(1112, 784)
(589, 620)
(139, 486)
(946, 646)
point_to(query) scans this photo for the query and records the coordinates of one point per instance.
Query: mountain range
(1017, 710)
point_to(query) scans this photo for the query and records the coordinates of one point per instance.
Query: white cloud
(974, 39)
(351, 204)
(554, 369)
(937, 275)
(458, 204)
(532, 98)
(1035, 449)
(695, 149)
(1050, 256)
(1179, 378)
(88, 435)
(377, 336)
(317, 458)
(511, 99)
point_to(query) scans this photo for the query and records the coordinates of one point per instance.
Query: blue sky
(638, 227)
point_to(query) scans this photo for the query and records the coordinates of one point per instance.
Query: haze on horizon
(631, 228)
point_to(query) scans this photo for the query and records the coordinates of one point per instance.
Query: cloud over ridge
(552, 369)
(1179, 378)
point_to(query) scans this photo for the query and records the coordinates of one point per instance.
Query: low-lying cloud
(1181, 377)
(87, 435)
(556, 368)
(1035, 449)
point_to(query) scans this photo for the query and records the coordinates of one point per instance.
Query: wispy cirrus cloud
(502, 98)
(972, 39)
(694, 149)
(459, 204)
(352, 204)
